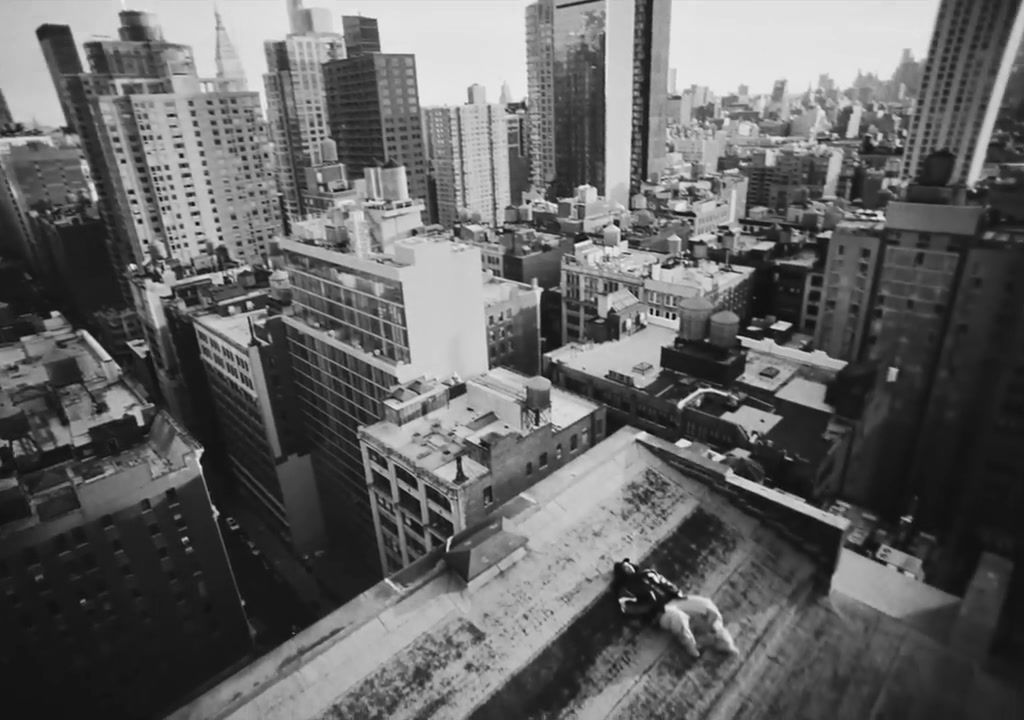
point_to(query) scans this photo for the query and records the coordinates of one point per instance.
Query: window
(529, 468)
(543, 460)
(574, 443)
(488, 496)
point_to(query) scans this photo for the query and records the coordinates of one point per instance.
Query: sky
(719, 43)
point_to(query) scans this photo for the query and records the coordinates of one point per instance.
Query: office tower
(468, 152)
(636, 69)
(969, 60)
(599, 96)
(181, 166)
(518, 120)
(36, 174)
(5, 112)
(229, 67)
(362, 324)
(61, 54)
(362, 36)
(502, 438)
(373, 108)
(118, 598)
(245, 355)
(296, 109)
(540, 28)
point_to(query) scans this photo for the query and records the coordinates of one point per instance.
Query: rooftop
(497, 290)
(539, 635)
(59, 385)
(491, 408)
(637, 356)
(235, 328)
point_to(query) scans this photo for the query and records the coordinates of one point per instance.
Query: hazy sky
(720, 43)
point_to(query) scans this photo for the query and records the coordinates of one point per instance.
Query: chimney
(460, 474)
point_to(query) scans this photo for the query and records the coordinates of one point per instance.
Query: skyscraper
(362, 36)
(62, 59)
(540, 73)
(296, 107)
(373, 107)
(969, 60)
(468, 151)
(181, 165)
(229, 67)
(597, 73)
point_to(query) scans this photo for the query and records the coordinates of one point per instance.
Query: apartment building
(468, 150)
(444, 458)
(660, 281)
(297, 108)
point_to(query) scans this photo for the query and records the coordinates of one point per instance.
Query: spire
(506, 94)
(229, 67)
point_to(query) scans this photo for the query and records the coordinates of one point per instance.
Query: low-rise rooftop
(538, 634)
(57, 386)
(492, 407)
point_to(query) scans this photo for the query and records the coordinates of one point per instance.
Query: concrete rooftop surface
(539, 634)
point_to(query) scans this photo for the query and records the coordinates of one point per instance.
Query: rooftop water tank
(511, 214)
(675, 245)
(725, 326)
(329, 151)
(538, 393)
(395, 182)
(612, 235)
(694, 314)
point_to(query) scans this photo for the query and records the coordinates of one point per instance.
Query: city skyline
(883, 31)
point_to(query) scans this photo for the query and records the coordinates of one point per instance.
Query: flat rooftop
(538, 635)
(60, 384)
(235, 328)
(434, 441)
(498, 290)
(637, 356)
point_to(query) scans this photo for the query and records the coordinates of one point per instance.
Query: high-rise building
(296, 108)
(373, 108)
(61, 54)
(468, 153)
(518, 122)
(229, 66)
(968, 64)
(35, 174)
(362, 324)
(181, 164)
(597, 73)
(118, 597)
(505, 432)
(540, 67)
(71, 246)
(5, 112)
(246, 360)
(362, 36)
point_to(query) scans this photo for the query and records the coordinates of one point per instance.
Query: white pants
(678, 614)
